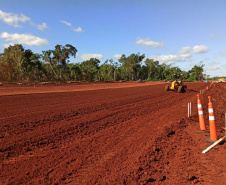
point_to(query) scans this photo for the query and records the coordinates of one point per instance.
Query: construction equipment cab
(177, 85)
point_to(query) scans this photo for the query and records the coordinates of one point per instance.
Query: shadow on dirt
(190, 90)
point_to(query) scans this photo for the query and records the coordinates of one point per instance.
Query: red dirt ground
(113, 133)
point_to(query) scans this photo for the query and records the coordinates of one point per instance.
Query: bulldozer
(177, 85)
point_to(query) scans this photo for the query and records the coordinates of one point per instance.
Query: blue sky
(177, 32)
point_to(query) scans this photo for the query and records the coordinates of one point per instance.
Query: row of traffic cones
(212, 125)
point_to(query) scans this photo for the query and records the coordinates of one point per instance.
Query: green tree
(143, 72)
(61, 54)
(131, 65)
(197, 72)
(32, 66)
(35, 68)
(152, 69)
(47, 57)
(166, 72)
(3, 74)
(75, 71)
(12, 61)
(108, 70)
(90, 69)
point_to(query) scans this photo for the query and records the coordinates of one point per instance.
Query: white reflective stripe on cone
(200, 112)
(199, 105)
(210, 110)
(211, 118)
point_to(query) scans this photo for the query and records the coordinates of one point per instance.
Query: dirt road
(123, 135)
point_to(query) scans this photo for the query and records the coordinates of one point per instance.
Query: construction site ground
(109, 133)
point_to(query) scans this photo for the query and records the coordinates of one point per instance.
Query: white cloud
(79, 29)
(66, 23)
(13, 19)
(8, 44)
(89, 56)
(216, 69)
(200, 49)
(42, 26)
(117, 56)
(182, 55)
(26, 39)
(39, 26)
(167, 59)
(185, 50)
(148, 42)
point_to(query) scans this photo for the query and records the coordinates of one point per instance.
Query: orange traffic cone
(201, 117)
(213, 131)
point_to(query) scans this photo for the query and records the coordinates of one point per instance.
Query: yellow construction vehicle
(221, 80)
(177, 85)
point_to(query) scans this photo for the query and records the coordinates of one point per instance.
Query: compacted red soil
(111, 134)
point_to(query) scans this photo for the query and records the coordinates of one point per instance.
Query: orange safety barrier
(213, 131)
(200, 112)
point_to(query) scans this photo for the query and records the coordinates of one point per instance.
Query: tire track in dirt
(120, 149)
(36, 102)
(31, 113)
(98, 147)
(62, 88)
(97, 114)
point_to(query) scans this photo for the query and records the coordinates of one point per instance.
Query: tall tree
(197, 72)
(75, 71)
(12, 61)
(62, 53)
(152, 68)
(108, 70)
(48, 59)
(130, 65)
(35, 68)
(90, 69)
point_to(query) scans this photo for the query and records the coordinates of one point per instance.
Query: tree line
(23, 65)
